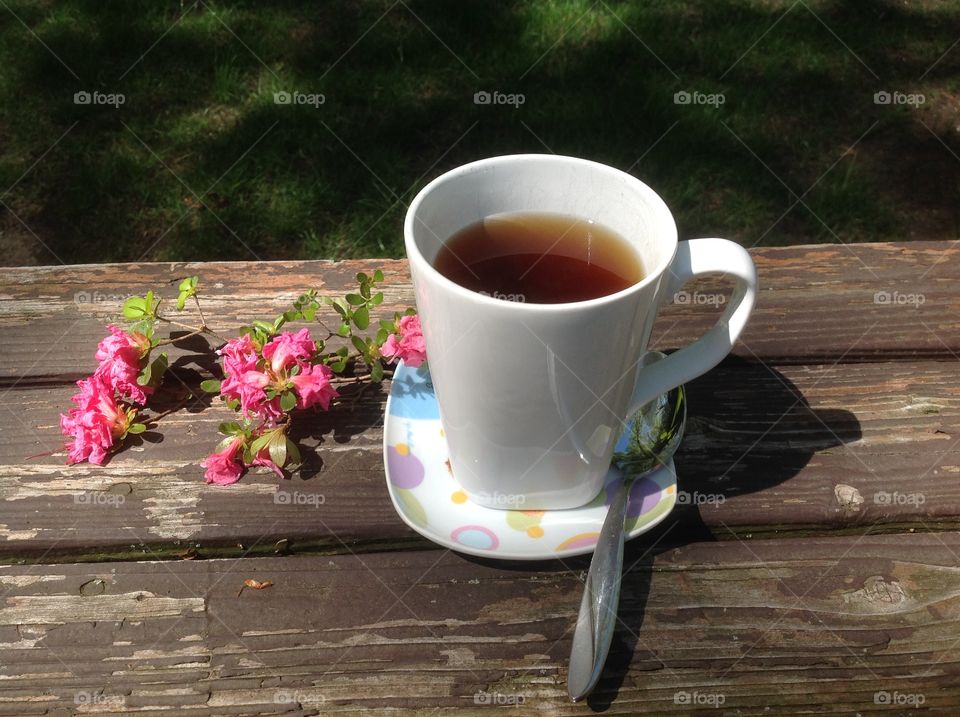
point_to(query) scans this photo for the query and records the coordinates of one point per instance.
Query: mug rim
(414, 255)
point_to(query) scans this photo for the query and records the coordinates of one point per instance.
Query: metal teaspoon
(657, 431)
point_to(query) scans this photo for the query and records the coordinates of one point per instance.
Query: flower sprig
(269, 373)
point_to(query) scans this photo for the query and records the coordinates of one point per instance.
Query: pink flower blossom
(245, 382)
(224, 468)
(312, 386)
(95, 422)
(287, 349)
(239, 355)
(263, 459)
(121, 359)
(407, 343)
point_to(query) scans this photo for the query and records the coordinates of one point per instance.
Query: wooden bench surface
(826, 579)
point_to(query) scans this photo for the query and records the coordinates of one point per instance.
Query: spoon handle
(601, 595)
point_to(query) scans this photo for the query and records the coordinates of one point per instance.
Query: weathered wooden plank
(817, 303)
(781, 450)
(767, 627)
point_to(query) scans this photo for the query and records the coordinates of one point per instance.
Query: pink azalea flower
(245, 382)
(263, 459)
(95, 422)
(224, 468)
(407, 343)
(289, 348)
(312, 386)
(121, 357)
(239, 356)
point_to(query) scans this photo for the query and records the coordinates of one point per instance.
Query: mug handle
(697, 257)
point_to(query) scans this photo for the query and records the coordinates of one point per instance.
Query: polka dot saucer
(428, 498)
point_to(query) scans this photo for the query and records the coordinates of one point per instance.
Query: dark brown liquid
(539, 259)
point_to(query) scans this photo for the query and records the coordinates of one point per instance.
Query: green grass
(201, 163)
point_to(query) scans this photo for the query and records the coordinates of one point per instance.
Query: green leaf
(230, 428)
(260, 443)
(376, 372)
(291, 315)
(233, 404)
(136, 428)
(294, 453)
(362, 278)
(278, 450)
(344, 329)
(382, 335)
(388, 324)
(152, 373)
(339, 365)
(158, 368)
(361, 317)
(134, 308)
(359, 344)
(263, 326)
(378, 276)
(365, 291)
(310, 312)
(355, 299)
(211, 385)
(410, 311)
(377, 299)
(288, 401)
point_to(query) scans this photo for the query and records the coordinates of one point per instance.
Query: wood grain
(767, 627)
(817, 303)
(857, 448)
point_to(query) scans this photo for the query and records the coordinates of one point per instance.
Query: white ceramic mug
(533, 397)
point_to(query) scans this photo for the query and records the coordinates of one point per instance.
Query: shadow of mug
(749, 429)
